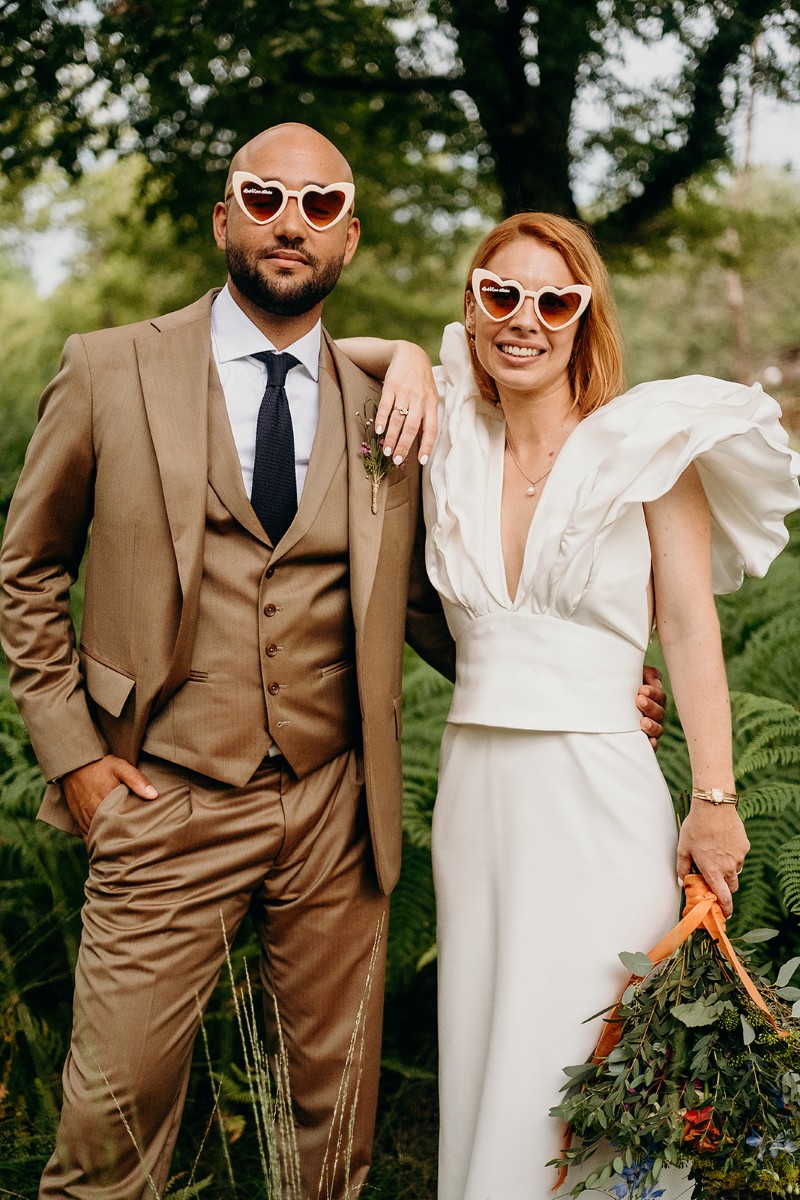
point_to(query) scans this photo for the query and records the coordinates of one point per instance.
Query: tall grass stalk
(357, 1041)
(216, 1089)
(260, 1081)
(127, 1128)
(272, 1110)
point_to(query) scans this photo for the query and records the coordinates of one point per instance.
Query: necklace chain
(531, 489)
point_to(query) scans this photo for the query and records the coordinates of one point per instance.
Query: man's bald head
(281, 269)
(295, 147)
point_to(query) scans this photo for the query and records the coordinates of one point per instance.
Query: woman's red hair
(595, 367)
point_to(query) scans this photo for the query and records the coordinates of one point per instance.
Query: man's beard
(284, 298)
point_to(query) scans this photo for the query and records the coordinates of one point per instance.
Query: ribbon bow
(702, 911)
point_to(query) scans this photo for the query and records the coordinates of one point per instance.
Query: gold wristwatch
(715, 796)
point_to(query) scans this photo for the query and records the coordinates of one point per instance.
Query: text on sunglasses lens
(499, 299)
(264, 200)
(555, 307)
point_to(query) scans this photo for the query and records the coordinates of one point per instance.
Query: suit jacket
(122, 446)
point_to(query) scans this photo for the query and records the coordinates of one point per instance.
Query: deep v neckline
(497, 524)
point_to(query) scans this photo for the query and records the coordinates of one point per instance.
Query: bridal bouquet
(698, 1066)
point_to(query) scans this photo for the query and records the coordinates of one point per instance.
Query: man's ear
(220, 224)
(353, 234)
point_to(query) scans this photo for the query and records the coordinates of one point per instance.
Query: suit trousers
(164, 877)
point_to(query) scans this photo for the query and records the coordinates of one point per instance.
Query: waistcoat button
(270, 571)
(272, 650)
(270, 610)
(273, 688)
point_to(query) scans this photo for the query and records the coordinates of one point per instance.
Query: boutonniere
(376, 463)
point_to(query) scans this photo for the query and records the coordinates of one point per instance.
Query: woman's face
(521, 354)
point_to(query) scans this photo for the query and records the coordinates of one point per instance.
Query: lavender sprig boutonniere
(376, 463)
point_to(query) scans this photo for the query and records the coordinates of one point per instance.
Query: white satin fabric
(552, 813)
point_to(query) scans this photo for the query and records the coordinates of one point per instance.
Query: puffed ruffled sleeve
(457, 479)
(637, 447)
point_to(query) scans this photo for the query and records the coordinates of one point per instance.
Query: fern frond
(769, 661)
(744, 613)
(767, 733)
(412, 928)
(769, 799)
(789, 874)
(758, 902)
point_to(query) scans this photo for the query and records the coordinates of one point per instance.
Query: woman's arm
(679, 526)
(409, 400)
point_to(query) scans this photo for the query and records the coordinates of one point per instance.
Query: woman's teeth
(522, 351)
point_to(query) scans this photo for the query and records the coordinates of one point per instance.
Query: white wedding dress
(553, 835)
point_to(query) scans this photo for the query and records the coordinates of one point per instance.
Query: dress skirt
(552, 853)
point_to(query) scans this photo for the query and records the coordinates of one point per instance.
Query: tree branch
(364, 84)
(704, 143)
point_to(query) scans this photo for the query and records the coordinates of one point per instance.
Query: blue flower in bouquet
(781, 1145)
(632, 1176)
(777, 1097)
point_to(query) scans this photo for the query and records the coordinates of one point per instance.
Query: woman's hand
(409, 403)
(713, 837)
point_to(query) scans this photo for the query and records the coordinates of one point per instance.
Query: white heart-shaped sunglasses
(555, 307)
(264, 200)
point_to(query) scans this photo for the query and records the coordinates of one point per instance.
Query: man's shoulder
(349, 375)
(117, 336)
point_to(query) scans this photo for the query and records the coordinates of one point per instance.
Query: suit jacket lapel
(224, 468)
(365, 527)
(173, 367)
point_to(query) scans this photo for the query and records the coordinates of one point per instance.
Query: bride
(563, 520)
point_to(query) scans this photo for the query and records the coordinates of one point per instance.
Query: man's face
(286, 268)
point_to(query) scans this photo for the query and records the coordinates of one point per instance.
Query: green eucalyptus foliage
(699, 1078)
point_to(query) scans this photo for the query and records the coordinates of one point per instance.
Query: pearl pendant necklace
(532, 483)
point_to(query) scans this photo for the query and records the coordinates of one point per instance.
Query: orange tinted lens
(263, 203)
(322, 208)
(556, 310)
(498, 299)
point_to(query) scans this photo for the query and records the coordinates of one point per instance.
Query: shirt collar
(235, 336)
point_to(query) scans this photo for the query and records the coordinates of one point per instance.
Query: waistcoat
(273, 656)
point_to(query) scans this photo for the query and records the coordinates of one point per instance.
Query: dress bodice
(566, 651)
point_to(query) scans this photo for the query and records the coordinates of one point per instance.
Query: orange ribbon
(702, 911)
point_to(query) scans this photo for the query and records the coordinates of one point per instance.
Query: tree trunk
(527, 123)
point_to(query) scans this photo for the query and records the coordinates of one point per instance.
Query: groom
(245, 611)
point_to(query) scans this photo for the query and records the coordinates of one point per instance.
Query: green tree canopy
(440, 104)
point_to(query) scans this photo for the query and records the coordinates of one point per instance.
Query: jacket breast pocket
(398, 490)
(108, 687)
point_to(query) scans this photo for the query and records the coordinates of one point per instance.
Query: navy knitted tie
(274, 492)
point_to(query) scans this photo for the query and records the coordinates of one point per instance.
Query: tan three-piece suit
(203, 651)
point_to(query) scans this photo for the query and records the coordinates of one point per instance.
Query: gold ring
(403, 411)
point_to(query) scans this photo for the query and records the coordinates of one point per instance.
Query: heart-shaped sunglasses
(264, 200)
(555, 307)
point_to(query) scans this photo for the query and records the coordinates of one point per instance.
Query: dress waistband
(532, 671)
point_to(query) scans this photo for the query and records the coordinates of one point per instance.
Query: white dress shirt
(234, 339)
